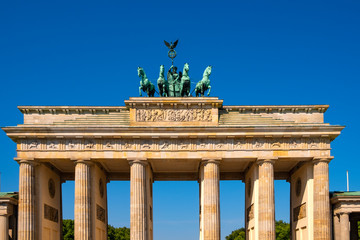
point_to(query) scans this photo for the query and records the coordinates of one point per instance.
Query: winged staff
(171, 45)
(172, 52)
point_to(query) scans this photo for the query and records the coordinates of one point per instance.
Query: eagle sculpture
(171, 45)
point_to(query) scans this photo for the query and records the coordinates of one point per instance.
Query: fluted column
(82, 220)
(322, 216)
(266, 199)
(4, 227)
(138, 200)
(344, 226)
(210, 200)
(26, 207)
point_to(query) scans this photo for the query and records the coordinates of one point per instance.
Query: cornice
(174, 102)
(278, 108)
(70, 109)
(192, 132)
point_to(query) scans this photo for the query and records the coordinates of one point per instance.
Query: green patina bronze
(145, 84)
(204, 83)
(177, 84)
(185, 81)
(174, 80)
(163, 84)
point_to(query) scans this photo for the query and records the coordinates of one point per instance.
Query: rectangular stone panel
(100, 213)
(250, 212)
(51, 213)
(299, 212)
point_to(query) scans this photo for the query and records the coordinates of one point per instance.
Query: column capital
(142, 161)
(6, 209)
(211, 160)
(344, 213)
(262, 160)
(86, 161)
(322, 159)
(30, 161)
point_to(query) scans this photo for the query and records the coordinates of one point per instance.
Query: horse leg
(140, 91)
(209, 90)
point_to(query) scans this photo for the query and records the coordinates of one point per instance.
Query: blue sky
(262, 52)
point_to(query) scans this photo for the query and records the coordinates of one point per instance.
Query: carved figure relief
(183, 144)
(314, 143)
(109, 145)
(33, 145)
(146, 145)
(276, 144)
(202, 144)
(220, 144)
(72, 144)
(239, 144)
(295, 143)
(89, 144)
(128, 145)
(173, 115)
(259, 143)
(164, 145)
(53, 145)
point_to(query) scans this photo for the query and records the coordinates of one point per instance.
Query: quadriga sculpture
(162, 83)
(185, 81)
(145, 84)
(204, 83)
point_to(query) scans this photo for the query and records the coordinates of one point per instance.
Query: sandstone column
(138, 200)
(210, 200)
(26, 207)
(82, 219)
(4, 221)
(322, 216)
(344, 226)
(266, 199)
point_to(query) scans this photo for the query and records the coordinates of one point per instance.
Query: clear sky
(87, 53)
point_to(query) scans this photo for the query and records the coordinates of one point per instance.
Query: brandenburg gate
(184, 138)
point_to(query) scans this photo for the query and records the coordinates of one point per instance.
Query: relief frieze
(173, 115)
(174, 144)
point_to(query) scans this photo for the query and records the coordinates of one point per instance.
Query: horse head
(207, 72)
(140, 71)
(162, 70)
(186, 68)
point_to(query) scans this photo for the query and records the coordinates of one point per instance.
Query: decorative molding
(71, 109)
(278, 109)
(176, 144)
(173, 115)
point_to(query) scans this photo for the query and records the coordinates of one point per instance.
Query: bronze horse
(145, 84)
(204, 83)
